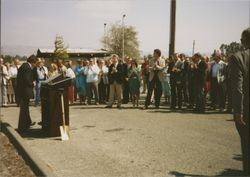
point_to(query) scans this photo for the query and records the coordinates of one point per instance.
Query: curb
(39, 168)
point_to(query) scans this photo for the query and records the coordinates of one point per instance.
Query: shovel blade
(64, 133)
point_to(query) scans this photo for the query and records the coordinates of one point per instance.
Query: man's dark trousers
(154, 84)
(24, 116)
(245, 146)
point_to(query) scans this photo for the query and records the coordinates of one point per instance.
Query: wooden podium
(51, 105)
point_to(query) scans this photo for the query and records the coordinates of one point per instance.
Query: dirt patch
(11, 163)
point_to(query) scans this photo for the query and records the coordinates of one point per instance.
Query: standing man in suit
(115, 76)
(239, 74)
(25, 92)
(176, 88)
(156, 66)
(125, 88)
(199, 67)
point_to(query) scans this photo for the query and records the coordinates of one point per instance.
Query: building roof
(75, 53)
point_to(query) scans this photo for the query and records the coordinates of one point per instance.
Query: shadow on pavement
(178, 174)
(237, 157)
(182, 111)
(32, 134)
(226, 172)
(86, 107)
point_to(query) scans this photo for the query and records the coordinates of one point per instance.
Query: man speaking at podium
(25, 92)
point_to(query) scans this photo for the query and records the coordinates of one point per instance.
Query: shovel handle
(62, 104)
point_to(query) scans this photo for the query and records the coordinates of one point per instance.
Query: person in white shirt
(3, 83)
(92, 72)
(12, 82)
(41, 75)
(10, 89)
(69, 71)
(217, 77)
(13, 75)
(60, 67)
(102, 82)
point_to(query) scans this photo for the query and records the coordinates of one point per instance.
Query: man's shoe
(119, 107)
(222, 110)
(40, 123)
(108, 106)
(201, 111)
(4, 105)
(22, 132)
(229, 111)
(32, 123)
(145, 107)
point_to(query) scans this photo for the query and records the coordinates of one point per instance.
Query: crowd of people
(183, 82)
(8, 75)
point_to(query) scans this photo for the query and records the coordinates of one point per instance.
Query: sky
(81, 22)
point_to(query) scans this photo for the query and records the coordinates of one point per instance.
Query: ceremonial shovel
(64, 129)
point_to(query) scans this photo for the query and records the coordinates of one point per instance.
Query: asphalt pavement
(134, 142)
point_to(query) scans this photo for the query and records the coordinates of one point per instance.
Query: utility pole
(193, 47)
(124, 15)
(172, 27)
(105, 38)
(1, 51)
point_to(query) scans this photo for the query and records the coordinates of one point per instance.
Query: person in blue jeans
(41, 73)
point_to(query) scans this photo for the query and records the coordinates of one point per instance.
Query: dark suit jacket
(170, 67)
(239, 75)
(125, 70)
(35, 74)
(199, 74)
(25, 81)
(118, 76)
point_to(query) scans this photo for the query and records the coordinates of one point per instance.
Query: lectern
(51, 90)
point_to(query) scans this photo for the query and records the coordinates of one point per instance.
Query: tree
(7, 58)
(230, 49)
(113, 41)
(60, 51)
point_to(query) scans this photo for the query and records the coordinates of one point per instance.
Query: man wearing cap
(239, 74)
